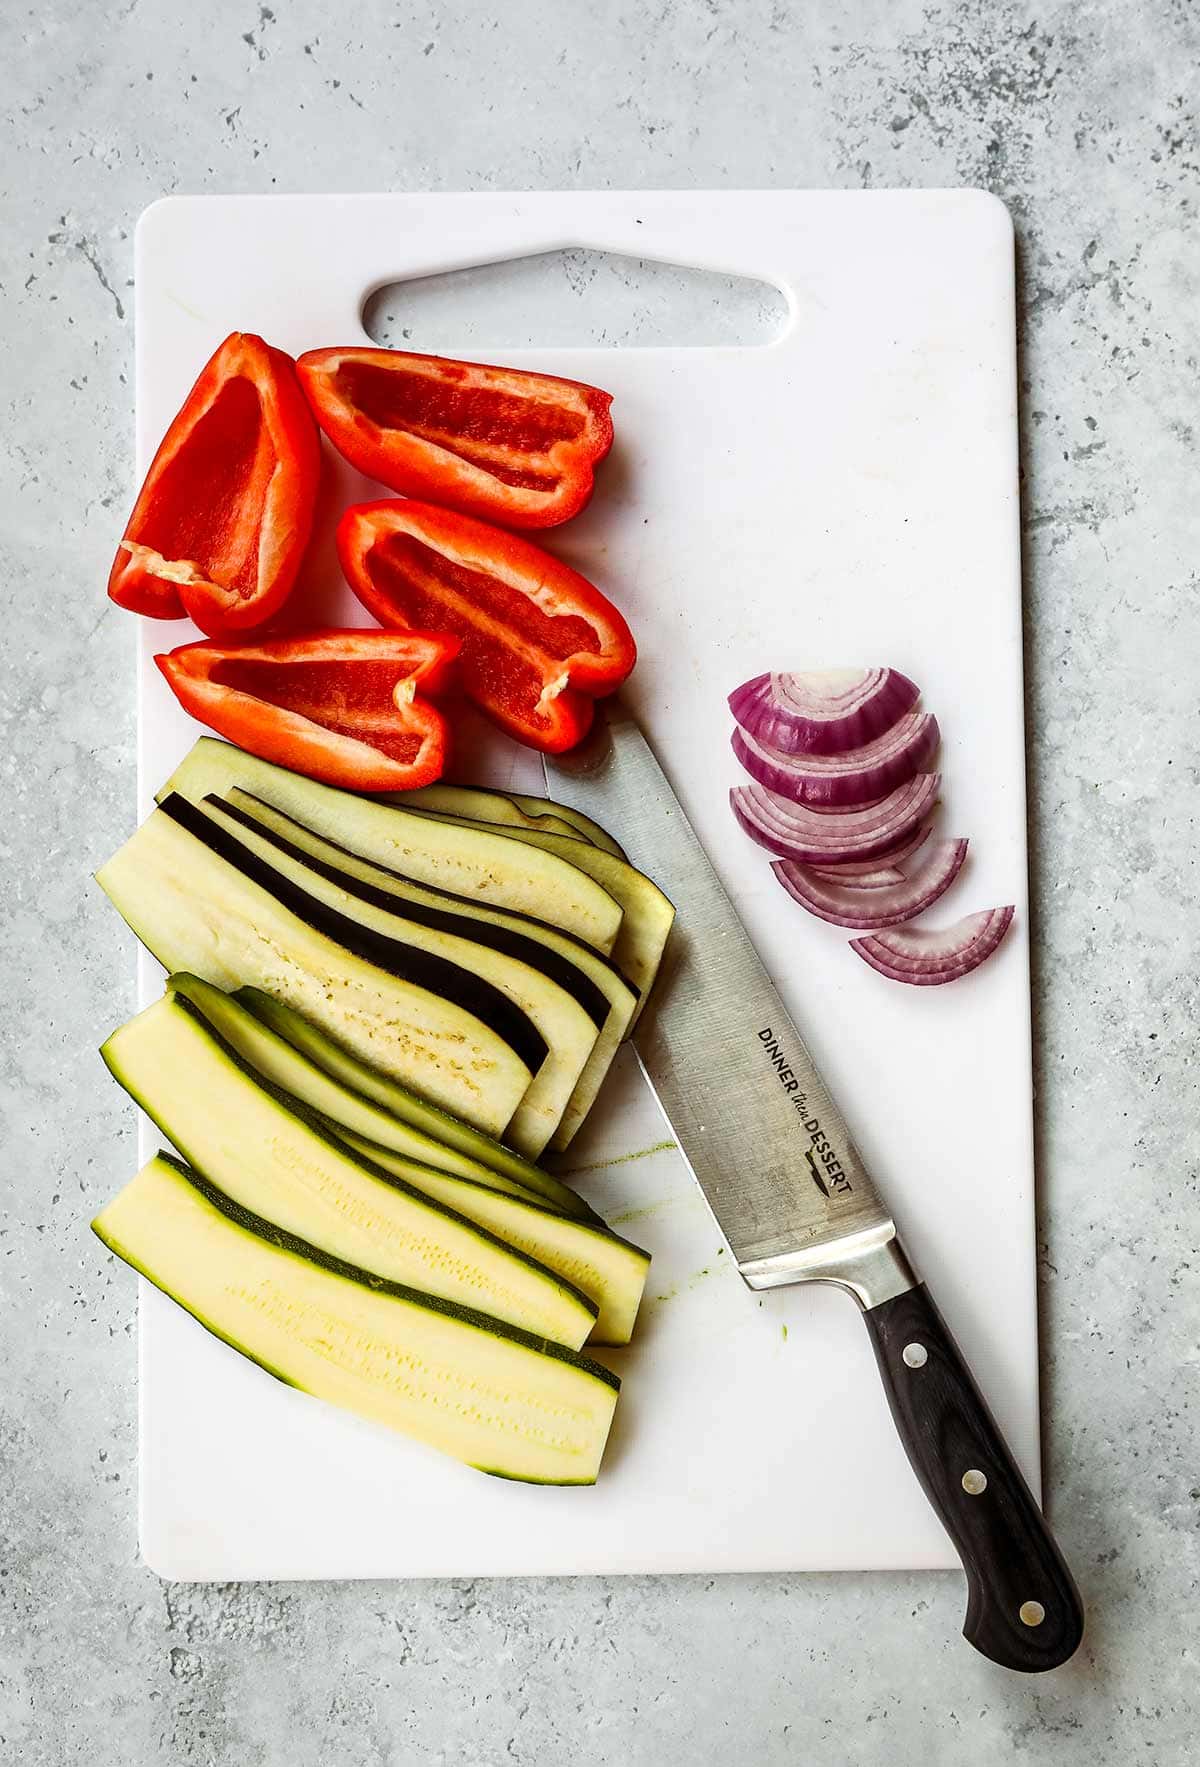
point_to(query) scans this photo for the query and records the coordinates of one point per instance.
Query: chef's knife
(774, 1158)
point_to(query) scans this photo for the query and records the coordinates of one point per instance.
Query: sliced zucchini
(567, 1010)
(469, 863)
(513, 809)
(583, 972)
(609, 1270)
(416, 1136)
(454, 1134)
(647, 913)
(194, 910)
(485, 1393)
(269, 1154)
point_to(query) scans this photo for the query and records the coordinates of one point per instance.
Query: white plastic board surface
(845, 495)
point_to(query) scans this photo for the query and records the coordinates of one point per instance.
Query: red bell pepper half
(513, 447)
(339, 706)
(222, 520)
(539, 642)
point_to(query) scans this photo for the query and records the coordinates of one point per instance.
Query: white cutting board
(846, 495)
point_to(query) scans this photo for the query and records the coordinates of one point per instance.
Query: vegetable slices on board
(336, 1070)
(823, 712)
(924, 956)
(350, 708)
(540, 643)
(508, 444)
(886, 905)
(455, 1140)
(647, 914)
(469, 862)
(487, 1393)
(292, 1054)
(583, 971)
(427, 1022)
(564, 1009)
(223, 517)
(841, 794)
(272, 1156)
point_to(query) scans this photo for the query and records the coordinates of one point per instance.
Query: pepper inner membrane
(492, 428)
(348, 699)
(207, 504)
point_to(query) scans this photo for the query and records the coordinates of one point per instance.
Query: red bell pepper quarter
(539, 642)
(222, 520)
(511, 446)
(339, 706)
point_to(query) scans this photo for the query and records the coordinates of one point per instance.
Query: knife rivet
(915, 1355)
(1032, 1613)
(974, 1482)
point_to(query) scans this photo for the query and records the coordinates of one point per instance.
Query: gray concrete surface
(1083, 117)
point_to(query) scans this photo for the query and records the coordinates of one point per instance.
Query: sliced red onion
(826, 810)
(823, 837)
(853, 877)
(851, 778)
(925, 958)
(865, 909)
(824, 711)
(881, 869)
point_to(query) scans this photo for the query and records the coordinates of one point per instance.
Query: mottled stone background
(1083, 117)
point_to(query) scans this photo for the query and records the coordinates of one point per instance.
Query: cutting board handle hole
(574, 299)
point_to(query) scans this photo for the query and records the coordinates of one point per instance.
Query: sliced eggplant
(469, 863)
(591, 831)
(647, 915)
(479, 804)
(234, 923)
(507, 810)
(568, 1022)
(592, 978)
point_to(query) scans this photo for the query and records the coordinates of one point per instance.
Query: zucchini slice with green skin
(509, 809)
(564, 959)
(566, 1010)
(195, 911)
(608, 1269)
(344, 1065)
(647, 917)
(414, 1137)
(491, 1395)
(469, 863)
(272, 1156)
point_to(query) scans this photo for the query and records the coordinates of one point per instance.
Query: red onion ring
(926, 957)
(822, 837)
(867, 909)
(823, 711)
(859, 877)
(850, 778)
(880, 869)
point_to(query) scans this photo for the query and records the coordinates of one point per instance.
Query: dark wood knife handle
(1023, 1609)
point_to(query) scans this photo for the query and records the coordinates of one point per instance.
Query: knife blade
(776, 1162)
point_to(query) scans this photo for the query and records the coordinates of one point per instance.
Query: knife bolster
(871, 1265)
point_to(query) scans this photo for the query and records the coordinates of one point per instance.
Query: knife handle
(1023, 1609)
